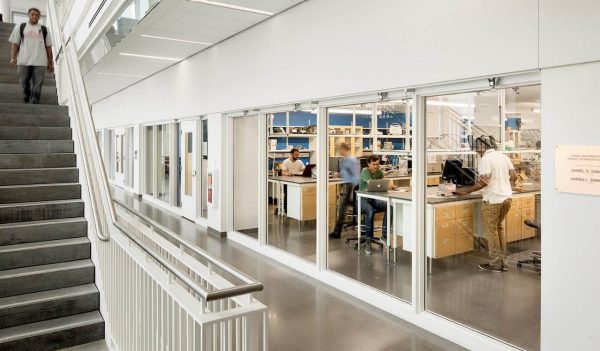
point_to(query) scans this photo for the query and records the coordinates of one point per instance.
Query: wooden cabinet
(522, 208)
(454, 229)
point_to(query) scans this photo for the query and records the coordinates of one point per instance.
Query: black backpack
(44, 31)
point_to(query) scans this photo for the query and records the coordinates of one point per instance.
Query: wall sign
(578, 169)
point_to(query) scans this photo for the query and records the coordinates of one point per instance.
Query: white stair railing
(158, 291)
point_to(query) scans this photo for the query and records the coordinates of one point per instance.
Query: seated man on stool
(370, 206)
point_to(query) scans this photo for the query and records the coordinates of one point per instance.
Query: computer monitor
(334, 164)
(454, 172)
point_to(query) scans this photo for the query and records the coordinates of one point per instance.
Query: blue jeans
(32, 78)
(369, 206)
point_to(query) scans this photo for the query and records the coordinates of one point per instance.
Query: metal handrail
(69, 52)
(251, 284)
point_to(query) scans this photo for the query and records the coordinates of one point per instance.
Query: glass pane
(245, 175)
(292, 183)
(482, 249)
(356, 151)
(150, 169)
(204, 168)
(163, 161)
(188, 163)
(111, 154)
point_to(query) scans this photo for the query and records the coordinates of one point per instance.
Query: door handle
(193, 173)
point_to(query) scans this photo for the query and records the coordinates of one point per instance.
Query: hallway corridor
(304, 314)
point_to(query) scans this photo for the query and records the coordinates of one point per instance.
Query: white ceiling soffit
(174, 30)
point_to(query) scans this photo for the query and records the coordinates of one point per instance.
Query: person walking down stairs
(31, 53)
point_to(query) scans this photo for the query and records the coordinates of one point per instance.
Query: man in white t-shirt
(292, 165)
(496, 177)
(31, 53)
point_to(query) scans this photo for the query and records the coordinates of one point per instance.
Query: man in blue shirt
(350, 173)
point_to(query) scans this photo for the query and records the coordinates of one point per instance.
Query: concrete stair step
(19, 107)
(18, 98)
(27, 120)
(50, 304)
(35, 133)
(57, 160)
(38, 176)
(33, 279)
(12, 79)
(17, 89)
(11, 194)
(40, 211)
(36, 146)
(54, 334)
(44, 252)
(36, 231)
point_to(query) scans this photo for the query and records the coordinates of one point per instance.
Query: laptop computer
(378, 185)
(308, 170)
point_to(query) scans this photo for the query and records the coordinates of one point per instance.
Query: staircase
(48, 300)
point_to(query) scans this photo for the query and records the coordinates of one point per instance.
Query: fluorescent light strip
(119, 75)
(150, 57)
(449, 104)
(350, 111)
(234, 7)
(173, 39)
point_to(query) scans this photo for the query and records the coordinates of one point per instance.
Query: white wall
(569, 32)
(570, 237)
(217, 127)
(246, 161)
(329, 48)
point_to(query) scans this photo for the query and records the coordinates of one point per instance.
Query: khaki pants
(495, 233)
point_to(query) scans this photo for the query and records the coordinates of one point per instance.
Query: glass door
(188, 176)
(118, 157)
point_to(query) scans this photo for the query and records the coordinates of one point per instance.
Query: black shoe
(488, 267)
(335, 236)
(26, 99)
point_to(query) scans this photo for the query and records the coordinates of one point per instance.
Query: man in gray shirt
(31, 53)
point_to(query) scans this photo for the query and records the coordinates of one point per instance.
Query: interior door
(119, 149)
(189, 168)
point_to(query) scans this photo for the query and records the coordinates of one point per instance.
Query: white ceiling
(179, 19)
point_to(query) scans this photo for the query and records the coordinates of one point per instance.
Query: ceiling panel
(176, 19)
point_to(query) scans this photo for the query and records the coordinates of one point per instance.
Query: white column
(5, 10)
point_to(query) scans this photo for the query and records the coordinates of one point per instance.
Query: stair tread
(55, 294)
(43, 222)
(25, 186)
(53, 267)
(49, 326)
(50, 202)
(43, 244)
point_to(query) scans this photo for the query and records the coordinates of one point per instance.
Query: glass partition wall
(366, 143)
(160, 149)
(482, 246)
(291, 182)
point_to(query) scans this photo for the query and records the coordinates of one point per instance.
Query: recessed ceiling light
(234, 7)
(119, 75)
(150, 56)
(173, 39)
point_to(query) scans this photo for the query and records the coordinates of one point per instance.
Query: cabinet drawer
(444, 213)
(444, 244)
(309, 191)
(464, 243)
(464, 210)
(464, 226)
(332, 194)
(516, 203)
(309, 208)
(528, 201)
(445, 227)
(513, 225)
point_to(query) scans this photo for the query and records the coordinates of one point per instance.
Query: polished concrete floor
(304, 314)
(506, 306)
(94, 346)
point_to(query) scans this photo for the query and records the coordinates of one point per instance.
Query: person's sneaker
(335, 236)
(488, 267)
(25, 99)
(368, 249)
(504, 268)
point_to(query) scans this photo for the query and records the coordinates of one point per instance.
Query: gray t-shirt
(32, 51)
